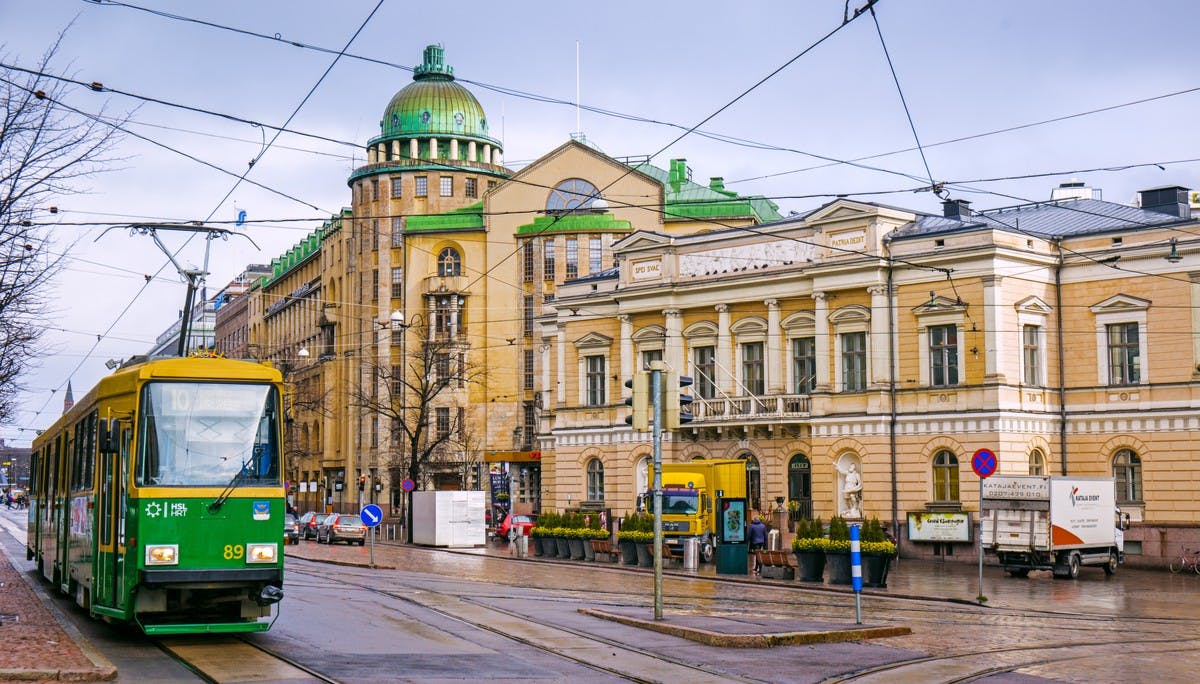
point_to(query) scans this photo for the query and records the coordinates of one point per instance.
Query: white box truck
(1035, 522)
(449, 518)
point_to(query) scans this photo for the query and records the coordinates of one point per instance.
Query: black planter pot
(875, 568)
(536, 543)
(812, 565)
(589, 554)
(838, 565)
(564, 547)
(576, 547)
(629, 554)
(549, 547)
(645, 558)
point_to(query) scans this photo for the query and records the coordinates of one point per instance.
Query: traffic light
(362, 481)
(639, 418)
(675, 404)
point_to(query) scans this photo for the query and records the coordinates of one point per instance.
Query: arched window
(800, 486)
(753, 482)
(595, 480)
(945, 477)
(1127, 471)
(1037, 462)
(571, 195)
(449, 263)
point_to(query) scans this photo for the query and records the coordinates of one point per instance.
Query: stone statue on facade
(850, 500)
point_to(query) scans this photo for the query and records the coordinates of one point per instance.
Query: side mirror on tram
(109, 437)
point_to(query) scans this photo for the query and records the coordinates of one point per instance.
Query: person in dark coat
(757, 536)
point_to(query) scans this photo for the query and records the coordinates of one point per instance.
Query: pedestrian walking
(757, 536)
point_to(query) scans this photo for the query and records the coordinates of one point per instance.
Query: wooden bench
(604, 546)
(775, 564)
(668, 556)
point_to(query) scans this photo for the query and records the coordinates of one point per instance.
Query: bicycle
(1187, 560)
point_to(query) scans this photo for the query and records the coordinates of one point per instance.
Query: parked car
(342, 527)
(523, 523)
(291, 529)
(308, 525)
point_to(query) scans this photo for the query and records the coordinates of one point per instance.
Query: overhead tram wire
(218, 205)
(903, 100)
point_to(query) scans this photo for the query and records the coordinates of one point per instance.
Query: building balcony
(749, 408)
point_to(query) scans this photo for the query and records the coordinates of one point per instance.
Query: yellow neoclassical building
(864, 338)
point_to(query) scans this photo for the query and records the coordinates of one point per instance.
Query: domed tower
(433, 151)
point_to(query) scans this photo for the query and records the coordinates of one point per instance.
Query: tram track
(228, 659)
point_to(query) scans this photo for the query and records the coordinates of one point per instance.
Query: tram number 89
(234, 552)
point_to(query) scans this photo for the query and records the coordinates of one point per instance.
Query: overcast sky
(965, 68)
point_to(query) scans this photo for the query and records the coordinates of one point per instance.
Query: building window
(945, 477)
(1037, 462)
(854, 361)
(448, 318)
(528, 370)
(704, 364)
(441, 367)
(804, 364)
(491, 184)
(447, 188)
(548, 259)
(471, 187)
(1127, 471)
(649, 356)
(595, 480)
(449, 263)
(443, 422)
(1124, 354)
(396, 187)
(752, 368)
(374, 284)
(421, 184)
(397, 231)
(800, 484)
(397, 283)
(571, 194)
(527, 315)
(375, 234)
(374, 189)
(943, 355)
(595, 381)
(572, 258)
(397, 381)
(527, 257)
(397, 338)
(1031, 343)
(595, 255)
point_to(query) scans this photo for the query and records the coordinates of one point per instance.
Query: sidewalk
(38, 644)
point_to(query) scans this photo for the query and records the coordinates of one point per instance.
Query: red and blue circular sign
(408, 485)
(984, 463)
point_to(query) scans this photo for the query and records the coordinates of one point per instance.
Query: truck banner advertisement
(1021, 488)
(939, 527)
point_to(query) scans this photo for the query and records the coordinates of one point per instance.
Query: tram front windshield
(197, 434)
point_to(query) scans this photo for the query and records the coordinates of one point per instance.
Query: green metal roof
(302, 251)
(434, 105)
(688, 200)
(570, 223)
(469, 217)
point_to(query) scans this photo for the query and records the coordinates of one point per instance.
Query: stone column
(487, 153)
(454, 148)
(471, 151)
(725, 376)
(626, 347)
(673, 344)
(433, 148)
(822, 342)
(414, 148)
(371, 155)
(560, 386)
(395, 149)
(774, 348)
(545, 349)
(995, 323)
(497, 157)
(880, 368)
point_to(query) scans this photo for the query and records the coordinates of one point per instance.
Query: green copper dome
(433, 105)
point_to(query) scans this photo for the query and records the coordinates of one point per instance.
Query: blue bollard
(856, 572)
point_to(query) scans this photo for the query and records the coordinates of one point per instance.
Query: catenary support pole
(656, 368)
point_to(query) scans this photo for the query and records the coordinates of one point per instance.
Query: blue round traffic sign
(371, 515)
(984, 463)
(408, 485)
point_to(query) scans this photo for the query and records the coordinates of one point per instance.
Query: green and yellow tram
(158, 499)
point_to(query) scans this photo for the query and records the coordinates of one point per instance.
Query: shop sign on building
(939, 527)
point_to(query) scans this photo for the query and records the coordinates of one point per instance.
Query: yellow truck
(690, 493)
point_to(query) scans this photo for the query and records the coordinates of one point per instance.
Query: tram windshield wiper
(241, 471)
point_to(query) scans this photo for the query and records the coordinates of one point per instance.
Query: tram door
(109, 527)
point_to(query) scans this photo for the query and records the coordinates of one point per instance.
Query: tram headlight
(260, 553)
(162, 554)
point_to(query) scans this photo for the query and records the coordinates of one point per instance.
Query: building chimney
(956, 209)
(1171, 199)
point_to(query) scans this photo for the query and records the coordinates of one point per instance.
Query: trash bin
(773, 540)
(522, 544)
(691, 553)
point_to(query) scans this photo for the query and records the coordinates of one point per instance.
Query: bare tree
(428, 428)
(46, 149)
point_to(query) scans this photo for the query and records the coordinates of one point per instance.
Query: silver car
(342, 527)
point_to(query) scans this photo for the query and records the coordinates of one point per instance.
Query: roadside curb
(766, 640)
